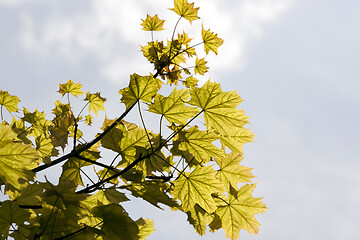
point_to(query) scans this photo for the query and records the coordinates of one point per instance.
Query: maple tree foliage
(188, 166)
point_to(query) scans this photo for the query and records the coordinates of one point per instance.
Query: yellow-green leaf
(96, 102)
(219, 107)
(211, 41)
(146, 227)
(152, 23)
(190, 82)
(196, 187)
(152, 192)
(237, 212)
(88, 119)
(236, 139)
(71, 87)
(8, 101)
(231, 172)
(16, 159)
(200, 67)
(140, 88)
(173, 107)
(199, 218)
(200, 144)
(185, 10)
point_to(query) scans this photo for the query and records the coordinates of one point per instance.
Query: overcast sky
(295, 62)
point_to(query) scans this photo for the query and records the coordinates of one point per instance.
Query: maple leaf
(237, 212)
(199, 218)
(231, 172)
(199, 144)
(152, 23)
(140, 88)
(8, 101)
(152, 192)
(146, 227)
(196, 187)
(88, 120)
(16, 159)
(39, 124)
(190, 82)
(200, 67)
(219, 107)
(173, 107)
(11, 213)
(185, 10)
(236, 139)
(96, 102)
(211, 41)
(116, 223)
(71, 88)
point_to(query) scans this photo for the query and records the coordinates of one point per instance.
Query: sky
(294, 62)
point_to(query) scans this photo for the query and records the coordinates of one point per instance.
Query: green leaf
(96, 102)
(237, 212)
(71, 88)
(116, 223)
(39, 124)
(140, 88)
(199, 144)
(173, 107)
(185, 10)
(211, 41)
(152, 23)
(27, 195)
(62, 196)
(146, 227)
(200, 66)
(199, 218)
(16, 159)
(152, 192)
(11, 213)
(8, 101)
(236, 139)
(231, 172)
(196, 187)
(219, 107)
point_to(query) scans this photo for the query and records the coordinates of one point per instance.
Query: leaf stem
(143, 123)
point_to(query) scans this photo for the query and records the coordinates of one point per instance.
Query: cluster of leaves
(191, 168)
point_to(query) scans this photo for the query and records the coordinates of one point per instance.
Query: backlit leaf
(199, 218)
(219, 107)
(190, 82)
(16, 159)
(71, 87)
(185, 10)
(196, 187)
(152, 23)
(211, 41)
(140, 88)
(231, 172)
(238, 212)
(173, 107)
(236, 139)
(200, 67)
(152, 192)
(146, 227)
(96, 102)
(200, 144)
(8, 101)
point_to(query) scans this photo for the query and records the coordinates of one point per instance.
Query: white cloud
(110, 31)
